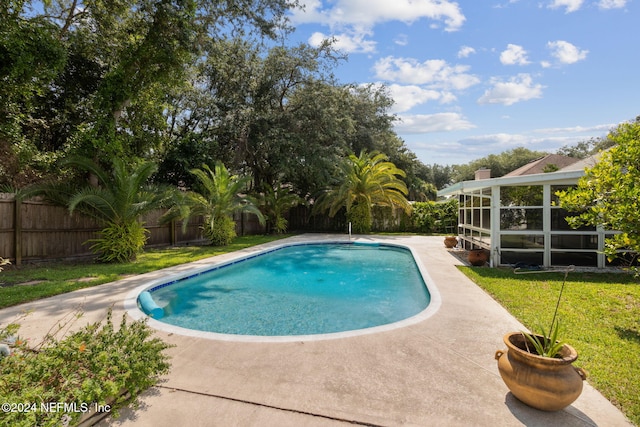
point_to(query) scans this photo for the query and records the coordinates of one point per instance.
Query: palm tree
(118, 201)
(367, 180)
(275, 202)
(219, 199)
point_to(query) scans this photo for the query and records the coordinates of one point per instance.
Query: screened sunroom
(517, 219)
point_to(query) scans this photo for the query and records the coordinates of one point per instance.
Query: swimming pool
(292, 292)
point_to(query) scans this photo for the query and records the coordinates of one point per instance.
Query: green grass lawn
(58, 278)
(599, 316)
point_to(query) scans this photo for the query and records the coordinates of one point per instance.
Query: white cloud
(407, 97)
(505, 5)
(516, 89)
(367, 13)
(429, 123)
(483, 145)
(346, 43)
(577, 129)
(464, 150)
(498, 139)
(612, 4)
(570, 5)
(436, 73)
(465, 51)
(514, 55)
(565, 52)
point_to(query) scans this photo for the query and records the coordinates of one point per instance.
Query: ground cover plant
(97, 368)
(29, 283)
(599, 316)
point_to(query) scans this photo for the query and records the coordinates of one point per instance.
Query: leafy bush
(280, 225)
(360, 217)
(424, 217)
(120, 242)
(221, 231)
(93, 366)
(434, 217)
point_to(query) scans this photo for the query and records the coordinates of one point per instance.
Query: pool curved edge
(132, 309)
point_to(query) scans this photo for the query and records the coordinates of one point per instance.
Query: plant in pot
(537, 368)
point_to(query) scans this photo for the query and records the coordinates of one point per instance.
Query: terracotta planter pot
(478, 257)
(545, 383)
(451, 242)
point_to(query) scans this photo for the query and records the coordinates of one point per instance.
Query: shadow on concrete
(568, 417)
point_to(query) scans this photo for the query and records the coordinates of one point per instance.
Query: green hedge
(436, 217)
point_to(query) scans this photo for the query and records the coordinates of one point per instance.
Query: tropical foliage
(119, 201)
(367, 180)
(218, 197)
(275, 202)
(436, 217)
(608, 194)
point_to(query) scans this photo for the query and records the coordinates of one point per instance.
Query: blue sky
(477, 77)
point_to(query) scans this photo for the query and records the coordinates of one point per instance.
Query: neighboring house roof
(539, 165)
(581, 164)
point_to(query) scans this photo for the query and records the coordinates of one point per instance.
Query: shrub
(280, 225)
(424, 216)
(221, 231)
(435, 217)
(90, 367)
(360, 217)
(120, 242)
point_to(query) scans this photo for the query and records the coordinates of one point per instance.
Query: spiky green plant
(367, 180)
(118, 201)
(547, 344)
(219, 196)
(275, 202)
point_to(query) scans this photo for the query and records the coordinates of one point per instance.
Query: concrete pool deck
(438, 372)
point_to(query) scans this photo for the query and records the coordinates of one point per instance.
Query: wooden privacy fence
(33, 230)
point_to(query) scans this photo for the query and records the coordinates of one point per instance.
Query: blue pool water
(299, 290)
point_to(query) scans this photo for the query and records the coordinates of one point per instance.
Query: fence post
(17, 229)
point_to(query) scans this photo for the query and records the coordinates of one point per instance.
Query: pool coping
(133, 310)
